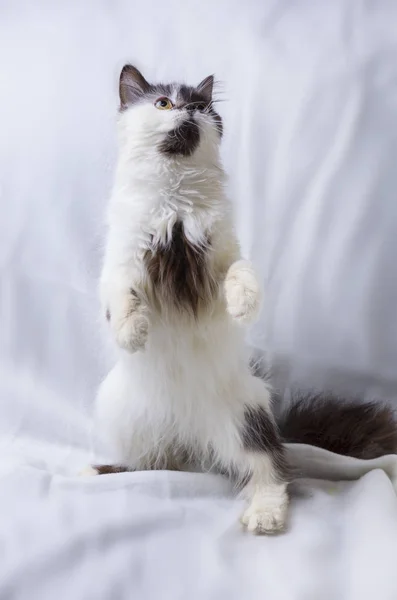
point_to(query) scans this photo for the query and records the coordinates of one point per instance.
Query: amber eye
(163, 104)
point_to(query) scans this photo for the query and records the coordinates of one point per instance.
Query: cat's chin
(183, 140)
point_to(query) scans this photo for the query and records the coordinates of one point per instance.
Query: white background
(310, 112)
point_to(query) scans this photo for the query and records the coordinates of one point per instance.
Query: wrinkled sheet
(310, 111)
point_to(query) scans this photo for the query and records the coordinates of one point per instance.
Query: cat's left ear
(132, 86)
(206, 87)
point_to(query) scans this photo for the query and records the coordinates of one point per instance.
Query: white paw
(265, 516)
(130, 323)
(242, 290)
(88, 472)
(132, 332)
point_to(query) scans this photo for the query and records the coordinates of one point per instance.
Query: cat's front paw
(242, 291)
(132, 332)
(129, 322)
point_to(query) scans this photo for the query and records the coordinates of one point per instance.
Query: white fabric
(310, 145)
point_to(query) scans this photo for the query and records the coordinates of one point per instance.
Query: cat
(177, 295)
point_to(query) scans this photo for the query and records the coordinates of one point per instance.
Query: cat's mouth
(183, 140)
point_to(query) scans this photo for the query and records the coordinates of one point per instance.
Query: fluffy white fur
(180, 386)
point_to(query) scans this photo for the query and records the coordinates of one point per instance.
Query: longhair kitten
(177, 294)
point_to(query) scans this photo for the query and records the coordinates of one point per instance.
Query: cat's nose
(190, 108)
(191, 111)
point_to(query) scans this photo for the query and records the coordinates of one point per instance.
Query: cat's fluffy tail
(349, 427)
(344, 426)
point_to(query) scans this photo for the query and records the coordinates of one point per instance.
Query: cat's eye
(163, 104)
(201, 106)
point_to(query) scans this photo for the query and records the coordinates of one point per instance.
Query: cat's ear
(206, 87)
(132, 86)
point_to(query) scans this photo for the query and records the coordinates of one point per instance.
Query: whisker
(217, 100)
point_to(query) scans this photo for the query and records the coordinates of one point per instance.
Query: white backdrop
(310, 113)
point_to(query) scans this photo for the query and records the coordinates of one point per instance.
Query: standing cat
(177, 295)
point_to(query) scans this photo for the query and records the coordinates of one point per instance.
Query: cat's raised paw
(132, 332)
(243, 293)
(129, 321)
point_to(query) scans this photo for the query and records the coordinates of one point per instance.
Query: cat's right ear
(132, 86)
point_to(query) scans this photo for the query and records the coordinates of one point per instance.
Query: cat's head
(174, 119)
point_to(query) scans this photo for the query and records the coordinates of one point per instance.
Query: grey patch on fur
(348, 427)
(260, 434)
(110, 469)
(183, 140)
(179, 273)
(171, 461)
(108, 315)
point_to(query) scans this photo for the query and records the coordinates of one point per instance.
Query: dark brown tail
(352, 428)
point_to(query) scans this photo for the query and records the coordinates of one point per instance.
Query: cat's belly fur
(190, 385)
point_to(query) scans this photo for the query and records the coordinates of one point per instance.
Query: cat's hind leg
(136, 437)
(256, 455)
(267, 496)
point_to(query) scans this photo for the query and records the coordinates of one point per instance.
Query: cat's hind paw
(266, 515)
(88, 472)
